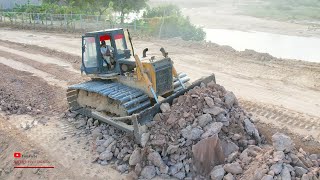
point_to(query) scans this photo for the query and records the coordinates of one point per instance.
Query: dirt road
(37, 67)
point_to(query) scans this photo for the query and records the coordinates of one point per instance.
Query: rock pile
(204, 134)
(282, 161)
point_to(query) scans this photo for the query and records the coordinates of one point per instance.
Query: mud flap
(207, 153)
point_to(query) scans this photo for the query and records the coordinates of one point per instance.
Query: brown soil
(284, 98)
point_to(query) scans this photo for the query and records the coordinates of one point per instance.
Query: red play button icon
(17, 155)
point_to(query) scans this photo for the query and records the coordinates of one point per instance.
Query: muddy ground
(37, 67)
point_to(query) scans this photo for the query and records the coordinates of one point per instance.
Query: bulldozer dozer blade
(138, 119)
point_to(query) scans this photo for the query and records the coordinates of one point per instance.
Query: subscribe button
(17, 155)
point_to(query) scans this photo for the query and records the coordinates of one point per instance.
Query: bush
(173, 24)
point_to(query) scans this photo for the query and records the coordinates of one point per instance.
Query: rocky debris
(233, 168)
(106, 155)
(165, 107)
(156, 160)
(229, 176)
(212, 129)
(276, 168)
(135, 157)
(252, 130)
(217, 173)
(282, 161)
(205, 134)
(282, 142)
(267, 177)
(148, 172)
(229, 147)
(204, 119)
(300, 171)
(192, 133)
(144, 139)
(230, 99)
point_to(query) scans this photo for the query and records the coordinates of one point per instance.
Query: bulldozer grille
(164, 79)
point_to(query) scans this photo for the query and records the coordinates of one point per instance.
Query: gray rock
(278, 155)
(212, 129)
(96, 123)
(282, 142)
(296, 161)
(108, 142)
(236, 137)
(233, 156)
(300, 171)
(228, 147)
(229, 176)
(217, 173)
(80, 123)
(165, 107)
(144, 139)
(99, 142)
(267, 177)
(180, 175)
(209, 101)
(191, 133)
(214, 110)
(106, 155)
(100, 149)
(290, 168)
(258, 174)
(96, 133)
(276, 168)
(230, 99)
(175, 168)
(204, 119)
(305, 177)
(221, 118)
(285, 174)
(135, 157)
(122, 168)
(252, 130)
(148, 172)
(313, 157)
(90, 122)
(137, 169)
(104, 163)
(156, 160)
(233, 168)
(172, 148)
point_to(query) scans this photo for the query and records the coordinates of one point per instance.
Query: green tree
(127, 6)
(167, 21)
(99, 6)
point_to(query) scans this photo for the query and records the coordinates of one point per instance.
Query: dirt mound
(21, 92)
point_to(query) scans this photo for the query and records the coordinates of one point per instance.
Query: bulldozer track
(282, 116)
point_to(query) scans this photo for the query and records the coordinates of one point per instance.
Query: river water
(281, 46)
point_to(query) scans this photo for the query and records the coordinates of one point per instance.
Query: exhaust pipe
(144, 53)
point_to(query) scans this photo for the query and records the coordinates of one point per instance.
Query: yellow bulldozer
(125, 90)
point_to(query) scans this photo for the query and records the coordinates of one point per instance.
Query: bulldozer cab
(93, 61)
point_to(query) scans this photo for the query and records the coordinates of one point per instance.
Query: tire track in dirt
(40, 58)
(31, 49)
(24, 67)
(55, 70)
(296, 122)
